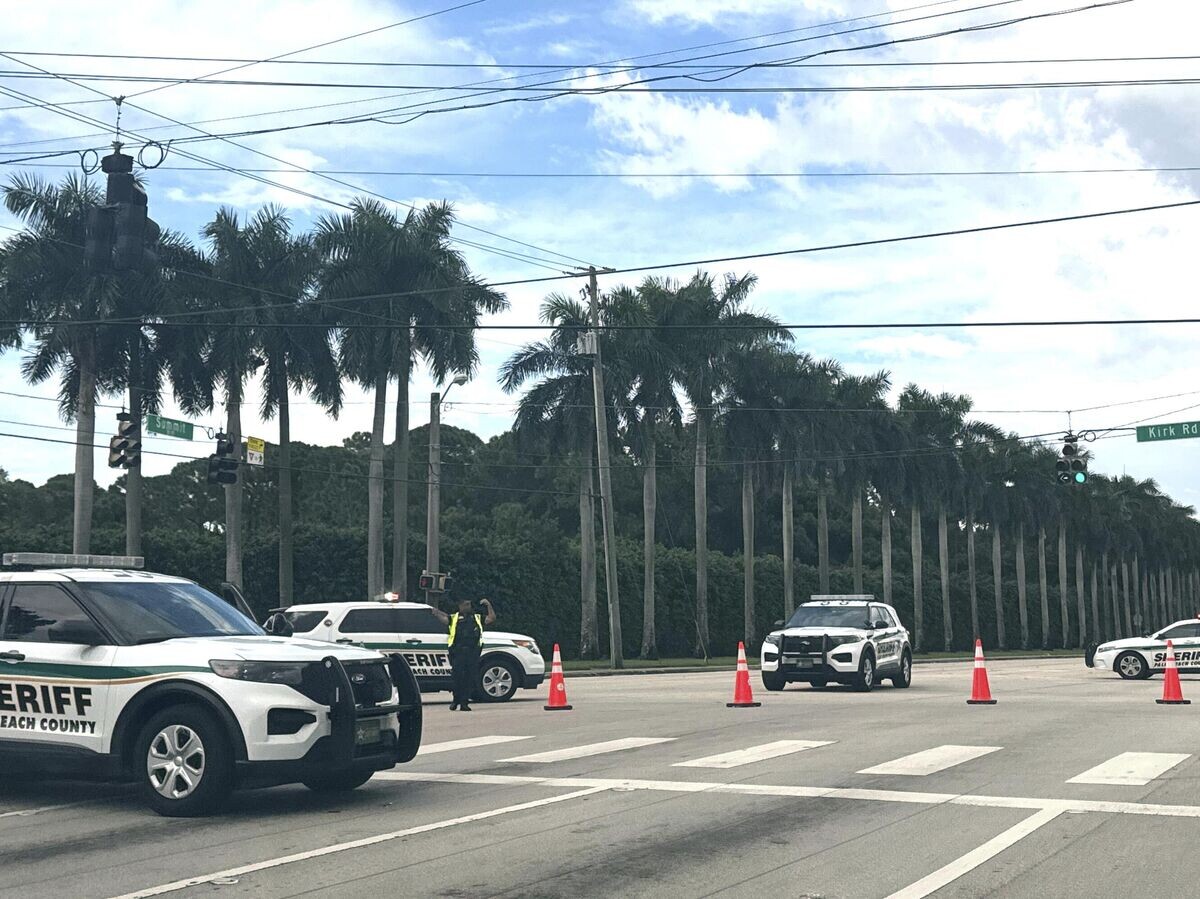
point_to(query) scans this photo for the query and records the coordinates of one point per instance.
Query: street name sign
(169, 427)
(255, 448)
(1177, 431)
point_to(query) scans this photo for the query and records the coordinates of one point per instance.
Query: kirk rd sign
(1177, 431)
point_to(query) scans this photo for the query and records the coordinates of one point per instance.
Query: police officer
(466, 639)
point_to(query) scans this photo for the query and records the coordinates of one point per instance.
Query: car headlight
(531, 645)
(1104, 647)
(773, 639)
(840, 641)
(290, 674)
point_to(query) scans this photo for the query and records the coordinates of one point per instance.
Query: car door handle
(345, 640)
(413, 640)
(12, 656)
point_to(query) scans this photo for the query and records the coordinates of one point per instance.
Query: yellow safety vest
(454, 627)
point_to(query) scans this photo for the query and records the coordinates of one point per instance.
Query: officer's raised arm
(491, 613)
(439, 615)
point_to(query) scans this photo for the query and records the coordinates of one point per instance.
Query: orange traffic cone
(558, 689)
(981, 694)
(742, 697)
(1172, 692)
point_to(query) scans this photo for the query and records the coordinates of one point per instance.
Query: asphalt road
(893, 793)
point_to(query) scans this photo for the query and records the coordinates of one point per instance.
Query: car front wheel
(183, 762)
(774, 681)
(1131, 666)
(498, 681)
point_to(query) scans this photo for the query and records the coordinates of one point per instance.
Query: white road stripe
(27, 812)
(920, 764)
(1131, 769)
(976, 857)
(242, 871)
(753, 754)
(579, 752)
(452, 745)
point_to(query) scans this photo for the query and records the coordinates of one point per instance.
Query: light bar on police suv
(73, 560)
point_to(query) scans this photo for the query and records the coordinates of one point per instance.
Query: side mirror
(82, 633)
(778, 623)
(278, 625)
(870, 625)
(881, 625)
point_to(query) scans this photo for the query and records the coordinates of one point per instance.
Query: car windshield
(156, 611)
(829, 616)
(304, 621)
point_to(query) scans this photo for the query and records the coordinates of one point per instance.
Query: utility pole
(433, 515)
(606, 500)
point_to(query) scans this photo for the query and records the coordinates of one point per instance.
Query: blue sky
(1131, 266)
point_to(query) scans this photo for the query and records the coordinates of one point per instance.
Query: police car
(111, 671)
(844, 639)
(508, 662)
(1137, 658)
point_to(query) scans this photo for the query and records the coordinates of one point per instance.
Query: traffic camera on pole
(1071, 465)
(222, 467)
(125, 450)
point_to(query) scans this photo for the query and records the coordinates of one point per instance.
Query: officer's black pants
(464, 670)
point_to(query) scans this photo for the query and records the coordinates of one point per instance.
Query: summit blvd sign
(1177, 431)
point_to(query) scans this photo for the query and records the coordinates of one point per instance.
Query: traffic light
(434, 582)
(120, 235)
(1071, 465)
(222, 467)
(125, 450)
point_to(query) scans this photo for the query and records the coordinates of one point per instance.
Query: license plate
(367, 731)
(805, 663)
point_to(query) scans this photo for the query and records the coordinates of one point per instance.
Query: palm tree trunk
(823, 535)
(589, 640)
(885, 546)
(1062, 582)
(1080, 596)
(1156, 600)
(1125, 592)
(1096, 629)
(1104, 607)
(1022, 594)
(918, 562)
(1152, 620)
(400, 455)
(998, 586)
(748, 553)
(85, 452)
(944, 560)
(286, 551)
(856, 526)
(649, 517)
(1172, 599)
(789, 543)
(972, 590)
(375, 491)
(1116, 600)
(133, 476)
(701, 510)
(233, 492)
(1043, 585)
(1139, 598)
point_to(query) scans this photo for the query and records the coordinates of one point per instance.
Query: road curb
(698, 669)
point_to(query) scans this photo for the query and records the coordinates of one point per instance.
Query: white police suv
(111, 671)
(845, 639)
(508, 662)
(1137, 658)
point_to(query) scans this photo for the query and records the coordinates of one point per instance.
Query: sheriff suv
(508, 662)
(111, 671)
(848, 639)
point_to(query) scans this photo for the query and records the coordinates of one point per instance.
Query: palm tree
(420, 286)
(47, 281)
(556, 413)
(714, 326)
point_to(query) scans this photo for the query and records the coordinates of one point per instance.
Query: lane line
(453, 745)
(243, 870)
(27, 812)
(1030, 803)
(1131, 769)
(761, 753)
(930, 761)
(947, 874)
(588, 749)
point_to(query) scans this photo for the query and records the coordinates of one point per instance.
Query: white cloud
(709, 12)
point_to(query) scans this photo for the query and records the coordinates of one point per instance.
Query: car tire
(499, 680)
(1132, 666)
(818, 684)
(866, 672)
(903, 678)
(774, 681)
(183, 762)
(337, 781)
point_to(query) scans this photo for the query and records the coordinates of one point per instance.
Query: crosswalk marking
(919, 764)
(753, 754)
(579, 752)
(452, 745)
(1131, 769)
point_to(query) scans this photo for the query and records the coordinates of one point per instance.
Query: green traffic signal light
(1081, 477)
